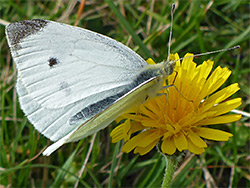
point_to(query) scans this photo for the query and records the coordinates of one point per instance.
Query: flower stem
(171, 165)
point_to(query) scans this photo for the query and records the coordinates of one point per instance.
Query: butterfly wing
(134, 97)
(58, 61)
(64, 69)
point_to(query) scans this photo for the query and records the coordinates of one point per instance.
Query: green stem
(171, 165)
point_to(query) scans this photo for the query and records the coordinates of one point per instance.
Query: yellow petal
(187, 63)
(136, 126)
(132, 143)
(196, 140)
(117, 133)
(213, 134)
(217, 78)
(118, 119)
(126, 130)
(150, 61)
(146, 112)
(152, 106)
(180, 141)
(168, 146)
(193, 148)
(144, 150)
(151, 137)
(204, 69)
(221, 119)
(220, 96)
(173, 57)
(126, 116)
(147, 122)
(198, 82)
(227, 106)
(193, 119)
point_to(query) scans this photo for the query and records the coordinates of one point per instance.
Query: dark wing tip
(19, 30)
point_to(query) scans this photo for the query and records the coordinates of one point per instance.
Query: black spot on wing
(19, 30)
(53, 61)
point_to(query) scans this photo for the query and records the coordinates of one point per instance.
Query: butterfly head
(168, 67)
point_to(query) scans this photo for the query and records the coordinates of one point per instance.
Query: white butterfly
(73, 82)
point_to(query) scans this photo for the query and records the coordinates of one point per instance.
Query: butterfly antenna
(207, 53)
(171, 28)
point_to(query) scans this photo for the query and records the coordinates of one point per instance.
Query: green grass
(198, 27)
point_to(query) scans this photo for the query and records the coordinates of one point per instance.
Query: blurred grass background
(199, 26)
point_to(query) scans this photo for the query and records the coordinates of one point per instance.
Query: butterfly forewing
(59, 61)
(63, 69)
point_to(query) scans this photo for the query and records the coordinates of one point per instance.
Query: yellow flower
(178, 119)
